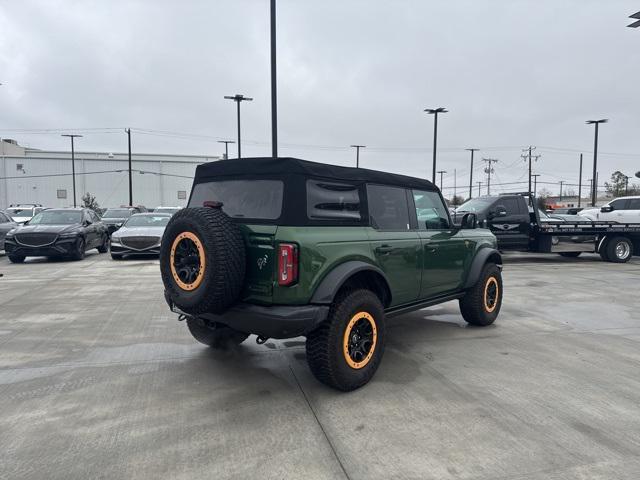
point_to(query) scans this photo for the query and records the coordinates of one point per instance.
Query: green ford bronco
(282, 248)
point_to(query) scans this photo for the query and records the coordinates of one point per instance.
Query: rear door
(444, 249)
(511, 230)
(395, 246)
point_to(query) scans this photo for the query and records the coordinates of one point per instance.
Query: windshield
(20, 212)
(148, 221)
(170, 210)
(57, 217)
(117, 213)
(259, 199)
(475, 205)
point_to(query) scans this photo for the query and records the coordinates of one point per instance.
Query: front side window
(258, 199)
(475, 205)
(431, 212)
(388, 207)
(619, 204)
(511, 205)
(330, 200)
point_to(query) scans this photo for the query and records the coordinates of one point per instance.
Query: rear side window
(634, 204)
(511, 205)
(258, 199)
(388, 207)
(332, 201)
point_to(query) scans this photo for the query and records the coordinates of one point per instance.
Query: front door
(444, 249)
(512, 229)
(394, 245)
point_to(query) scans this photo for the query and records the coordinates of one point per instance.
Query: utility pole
(561, 183)
(441, 172)
(489, 170)
(238, 99)
(626, 185)
(530, 156)
(580, 183)
(535, 184)
(226, 147)
(471, 171)
(455, 181)
(594, 192)
(358, 147)
(479, 187)
(128, 130)
(274, 87)
(435, 112)
(73, 164)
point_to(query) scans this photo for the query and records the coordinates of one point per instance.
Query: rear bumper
(275, 321)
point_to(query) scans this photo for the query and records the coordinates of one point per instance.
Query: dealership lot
(99, 380)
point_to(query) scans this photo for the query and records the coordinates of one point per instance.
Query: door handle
(383, 249)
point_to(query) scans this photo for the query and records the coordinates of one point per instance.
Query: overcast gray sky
(511, 72)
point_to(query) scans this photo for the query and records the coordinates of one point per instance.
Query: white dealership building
(30, 175)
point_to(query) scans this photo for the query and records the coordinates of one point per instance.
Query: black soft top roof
(267, 166)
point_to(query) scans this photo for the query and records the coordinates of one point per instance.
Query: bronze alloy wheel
(187, 261)
(359, 341)
(491, 292)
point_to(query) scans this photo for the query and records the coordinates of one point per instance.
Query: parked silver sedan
(141, 234)
(6, 224)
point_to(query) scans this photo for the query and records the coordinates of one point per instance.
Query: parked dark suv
(57, 232)
(284, 248)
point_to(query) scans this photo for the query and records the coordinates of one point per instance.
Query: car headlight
(115, 240)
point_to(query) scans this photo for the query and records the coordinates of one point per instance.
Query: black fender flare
(479, 261)
(333, 281)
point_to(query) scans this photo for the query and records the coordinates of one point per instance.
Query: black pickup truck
(519, 226)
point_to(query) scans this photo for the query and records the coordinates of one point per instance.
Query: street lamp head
(226, 141)
(358, 146)
(238, 98)
(436, 110)
(591, 122)
(70, 135)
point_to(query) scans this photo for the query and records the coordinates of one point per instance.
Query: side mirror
(607, 209)
(469, 221)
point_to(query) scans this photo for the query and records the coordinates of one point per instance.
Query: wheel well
(494, 258)
(369, 280)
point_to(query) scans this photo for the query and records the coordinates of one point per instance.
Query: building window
(182, 194)
(62, 193)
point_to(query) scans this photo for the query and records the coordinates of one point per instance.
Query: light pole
(441, 172)
(594, 193)
(73, 164)
(226, 147)
(358, 147)
(128, 130)
(274, 85)
(471, 171)
(238, 99)
(435, 112)
(479, 187)
(562, 182)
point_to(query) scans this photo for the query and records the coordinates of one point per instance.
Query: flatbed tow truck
(520, 226)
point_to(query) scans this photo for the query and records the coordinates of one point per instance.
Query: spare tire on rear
(202, 260)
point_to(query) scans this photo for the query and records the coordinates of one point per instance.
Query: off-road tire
(16, 258)
(476, 306)
(79, 252)
(216, 336)
(116, 256)
(220, 251)
(326, 345)
(104, 248)
(619, 249)
(570, 254)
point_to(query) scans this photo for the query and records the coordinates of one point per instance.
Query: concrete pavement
(99, 380)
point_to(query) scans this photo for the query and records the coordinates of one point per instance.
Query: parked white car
(24, 212)
(621, 210)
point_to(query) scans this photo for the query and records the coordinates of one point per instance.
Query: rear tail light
(287, 264)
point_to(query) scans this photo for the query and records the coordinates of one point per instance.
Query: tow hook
(260, 339)
(182, 317)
